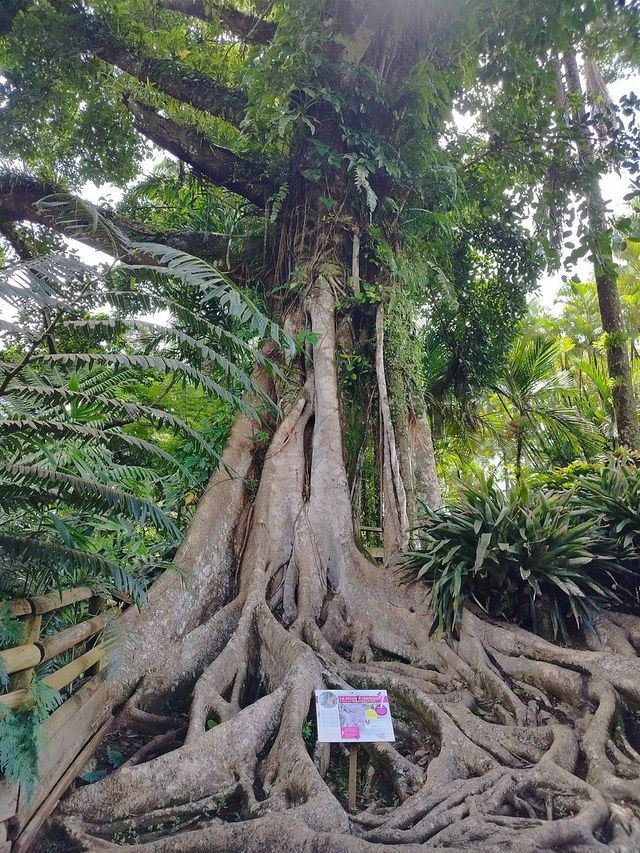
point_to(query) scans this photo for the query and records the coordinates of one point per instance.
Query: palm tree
(530, 406)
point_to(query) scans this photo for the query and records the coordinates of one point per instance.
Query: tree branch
(169, 76)
(215, 163)
(19, 194)
(250, 28)
(174, 79)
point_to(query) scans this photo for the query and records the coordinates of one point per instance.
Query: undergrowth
(545, 558)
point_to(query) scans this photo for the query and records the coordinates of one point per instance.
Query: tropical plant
(20, 735)
(85, 497)
(611, 493)
(325, 127)
(522, 554)
(531, 408)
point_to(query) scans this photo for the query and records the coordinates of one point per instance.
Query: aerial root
(155, 745)
(166, 819)
(134, 718)
(287, 833)
(177, 671)
(225, 673)
(192, 772)
(489, 812)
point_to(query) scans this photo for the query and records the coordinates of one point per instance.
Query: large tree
(328, 120)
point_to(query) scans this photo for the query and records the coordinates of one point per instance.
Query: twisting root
(505, 741)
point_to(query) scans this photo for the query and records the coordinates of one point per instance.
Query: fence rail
(74, 730)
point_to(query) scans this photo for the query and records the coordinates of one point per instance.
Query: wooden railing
(73, 731)
(376, 551)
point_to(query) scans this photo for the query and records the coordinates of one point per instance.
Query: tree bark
(218, 165)
(504, 740)
(622, 392)
(249, 28)
(427, 488)
(522, 750)
(20, 194)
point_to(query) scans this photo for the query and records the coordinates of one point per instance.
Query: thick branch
(19, 195)
(249, 27)
(167, 75)
(219, 165)
(174, 79)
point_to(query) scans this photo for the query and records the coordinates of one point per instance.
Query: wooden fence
(74, 730)
(376, 551)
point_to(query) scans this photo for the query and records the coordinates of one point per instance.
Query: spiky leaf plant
(521, 554)
(610, 492)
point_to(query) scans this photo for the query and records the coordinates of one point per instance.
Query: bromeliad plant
(528, 556)
(610, 492)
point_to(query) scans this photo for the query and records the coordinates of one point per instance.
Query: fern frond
(45, 427)
(122, 299)
(169, 332)
(151, 362)
(80, 491)
(133, 411)
(24, 549)
(361, 177)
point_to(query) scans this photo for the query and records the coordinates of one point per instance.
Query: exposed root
(504, 741)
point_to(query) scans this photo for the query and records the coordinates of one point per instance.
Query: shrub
(526, 555)
(611, 495)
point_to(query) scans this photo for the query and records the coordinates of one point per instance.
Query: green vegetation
(322, 230)
(535, 556)
(99, 470)
(110, 425)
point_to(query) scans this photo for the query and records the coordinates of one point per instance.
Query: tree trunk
(622, 392)
(395, 521)
(427, 488)
(504, 740)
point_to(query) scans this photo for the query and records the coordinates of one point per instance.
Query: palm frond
(60, 428)
(132, 411)
(150, 362)
(159, 331)
(79, 218)
(64, 411)
(122, 299)
(25, 550)
(214, 285)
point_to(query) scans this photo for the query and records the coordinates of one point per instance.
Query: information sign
(353, 716)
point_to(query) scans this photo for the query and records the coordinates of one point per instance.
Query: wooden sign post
(353, 775)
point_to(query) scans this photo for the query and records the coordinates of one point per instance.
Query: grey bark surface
(530, 745)
(424, 466)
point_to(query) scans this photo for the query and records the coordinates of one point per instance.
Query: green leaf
(481, 550)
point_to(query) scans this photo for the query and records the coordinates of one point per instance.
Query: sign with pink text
(352, 716)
